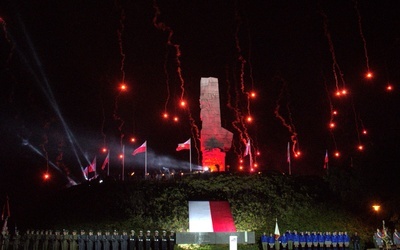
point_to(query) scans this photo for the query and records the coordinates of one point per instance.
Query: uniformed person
(73, 240)
(271, 241)
(36, 240)
(164, 240)
(264, 241)
(140, 241)
(147, 240)
(171, 240)
(156, 241)
(57, 238)
(296, 240)
(82, 239)
(65, 240)
(16, 240)
(51, 240)
(106, 240)
(124, 240)
(115, 239)
(132, 240)
(46, 238)
(328, 240)
(289, 237)
(26, 239)
(396, 238)
(5, 241)
(98, 240)
(91, 238)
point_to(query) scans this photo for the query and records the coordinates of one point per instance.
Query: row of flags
(141, 149)
(185, 146)
(326, 158)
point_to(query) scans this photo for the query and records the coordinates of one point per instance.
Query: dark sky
(62, 62)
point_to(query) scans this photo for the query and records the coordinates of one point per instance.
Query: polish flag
(92, 166)
(140, 149)
(106, 161)
(247, 150)
(210, 216)
(326, 161)
(277, 233)
(183, 146)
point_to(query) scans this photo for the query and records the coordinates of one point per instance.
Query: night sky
(62, 63)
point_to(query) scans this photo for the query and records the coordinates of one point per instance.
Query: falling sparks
(165, 28)
(369, 74)
(6, 35)
(288, 124)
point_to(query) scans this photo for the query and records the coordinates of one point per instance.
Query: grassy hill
(299, 203)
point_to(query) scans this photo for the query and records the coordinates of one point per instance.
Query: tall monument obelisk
(215, 140)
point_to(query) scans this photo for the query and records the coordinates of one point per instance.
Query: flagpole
(123, 161)
(190, 155)
(250, 155)
(288, 156)
(95, 170)
(145, 162)
(108, 167)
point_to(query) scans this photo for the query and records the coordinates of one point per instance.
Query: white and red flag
(276, 232)
(92, 166)
(140, 149)
(106, 161)
(210, 216)
(326, 160)
(6, 210)
(247, 150)
(183, 146)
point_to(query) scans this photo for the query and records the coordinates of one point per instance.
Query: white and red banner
(210, 216)
(183, 146)
(140, 149)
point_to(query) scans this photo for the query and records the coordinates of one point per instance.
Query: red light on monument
(255, 165)
(389, 87)
(369, 75)
(176, 119)
(332, 125)
(334, 112)
(344, 92)
(249, 119)
(360, 147)
(182, 103)
(104, 150)
(253, 94)
(297, 154)
(121, 156)
(133, 139)
(165, 115)
(364, 132)
(258, 153)
(337, 154)
(241, 161)
(240, 167)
